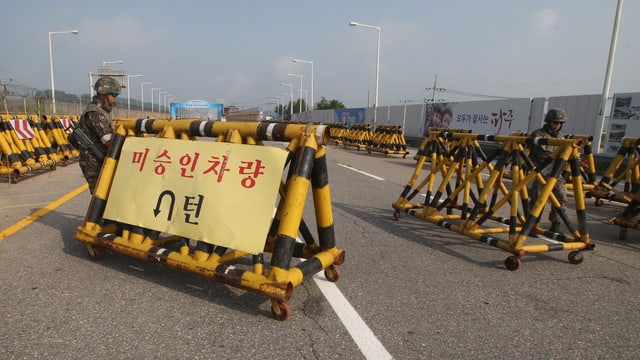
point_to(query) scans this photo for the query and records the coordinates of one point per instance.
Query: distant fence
(43, 107)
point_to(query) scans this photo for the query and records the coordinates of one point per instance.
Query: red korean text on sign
(187, 159)
(218, 166)
(140, 157)
(160, 160)
(253, 169)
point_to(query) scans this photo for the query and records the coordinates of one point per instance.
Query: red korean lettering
(140, 157)
(218, 166)
(186, 160)
(160, 160)
(253, 169)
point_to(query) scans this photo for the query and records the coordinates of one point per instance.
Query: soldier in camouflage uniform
(553, 122)
(95, 122)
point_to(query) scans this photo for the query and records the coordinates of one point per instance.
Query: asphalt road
(409, 289)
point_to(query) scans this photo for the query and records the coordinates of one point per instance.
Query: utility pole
(607, 79)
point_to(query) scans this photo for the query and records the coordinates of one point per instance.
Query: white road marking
(369, 345)
(367, 342)
(361, 172)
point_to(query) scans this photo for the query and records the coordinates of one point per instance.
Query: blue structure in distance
(199, 109)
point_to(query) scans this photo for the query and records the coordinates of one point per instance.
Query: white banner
(494, 117)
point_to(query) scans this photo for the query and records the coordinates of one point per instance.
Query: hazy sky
(239, 52)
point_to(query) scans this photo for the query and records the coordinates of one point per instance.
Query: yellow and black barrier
(435, 140)
(211, 258)
(388, 139)
(628, 219)
(58, 137)
(624, 168)
(463, 188)
(24, 146)
(587, 162)
(359, 136)
(337, 133)
(437, 148)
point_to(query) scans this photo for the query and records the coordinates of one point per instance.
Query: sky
(239, 52)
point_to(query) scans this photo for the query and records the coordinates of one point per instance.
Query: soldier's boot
(555, 227)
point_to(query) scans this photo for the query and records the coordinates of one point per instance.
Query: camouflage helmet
(556, 115)
(107, 85)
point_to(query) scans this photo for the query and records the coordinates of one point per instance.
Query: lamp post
(300, 76)
(308, 62)
(375, 104)
(281, 105)
(102, 71)
(160, 93)
(142, 84)
(152, 89)
(104, 63)
(164, 100)
(291, 101)
(170, 99)
(277, 103)
(53, 90)
(129, 93)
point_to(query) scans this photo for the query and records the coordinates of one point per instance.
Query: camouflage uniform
(538, 153)
(95, 122)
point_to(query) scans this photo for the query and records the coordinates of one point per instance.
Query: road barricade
(628, 219)
(226, 258)
(58, 128)
(388, 139)
(337, 133)
(472, 203)
(436, 149)
(359, 136)
(24, 147)
(624, 168)
(587, 163)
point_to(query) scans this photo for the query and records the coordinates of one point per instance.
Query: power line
(456, 92)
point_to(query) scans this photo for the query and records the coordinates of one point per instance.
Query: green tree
(286, 115)
(325, 104)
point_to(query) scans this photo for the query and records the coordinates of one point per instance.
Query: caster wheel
(15, 178)
(332, 273)
(280, 310)
(513, 263)
(623, 233)
(95, 253)
(575, 257)
(599, 202)
(396, 215)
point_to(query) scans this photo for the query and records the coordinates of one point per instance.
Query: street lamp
(160, 93)
(53, 91)
(375, 104)
(129, 93)
(291, 101)
(104, 63)
(152, 90)
(308, 62)
(170, 99)
(164, 101)
(282, 104)
(300, 76)
(142, 84)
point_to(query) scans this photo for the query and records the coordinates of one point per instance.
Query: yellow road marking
(24, 222)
